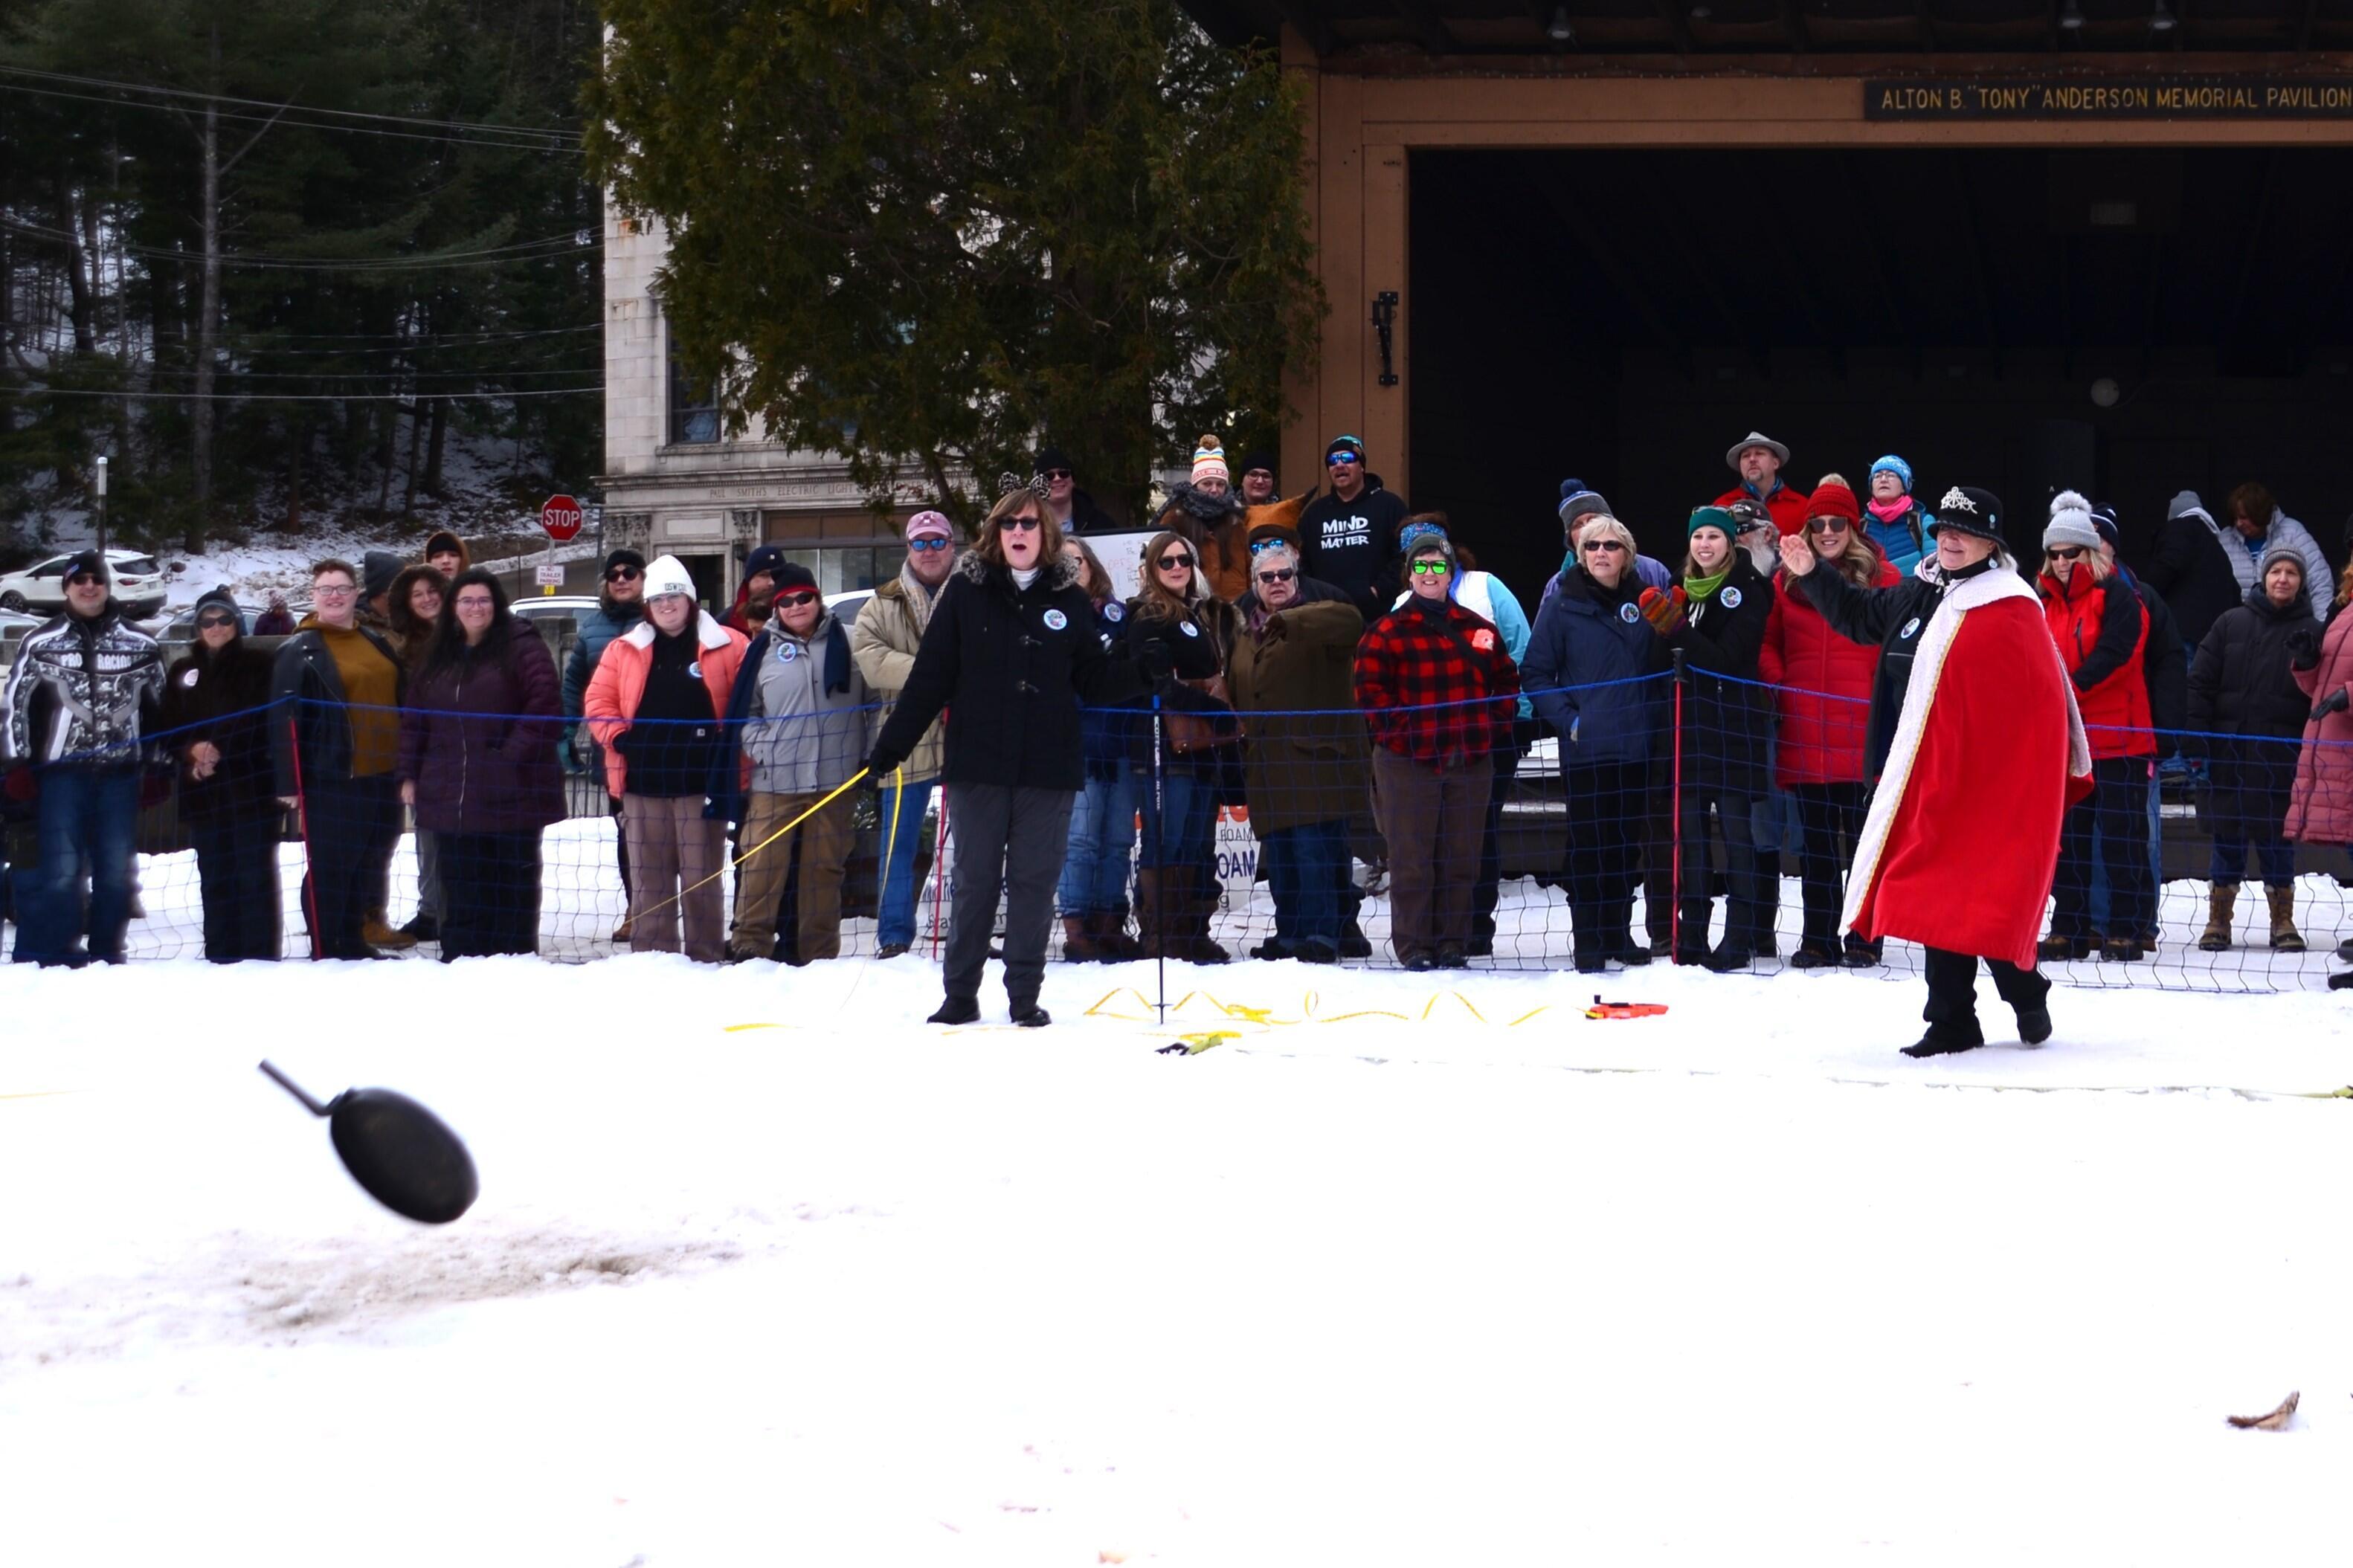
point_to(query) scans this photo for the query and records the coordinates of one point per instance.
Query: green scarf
(1705, 587)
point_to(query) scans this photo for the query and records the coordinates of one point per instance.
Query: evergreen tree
(907, 231)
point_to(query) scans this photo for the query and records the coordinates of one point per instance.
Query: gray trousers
(1014, 839)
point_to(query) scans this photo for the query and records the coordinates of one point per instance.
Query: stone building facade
(675, 482)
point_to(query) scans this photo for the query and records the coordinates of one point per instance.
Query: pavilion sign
(2136, 97)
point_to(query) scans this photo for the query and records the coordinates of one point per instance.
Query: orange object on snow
(1601, 1009)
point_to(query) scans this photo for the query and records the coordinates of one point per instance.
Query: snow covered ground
(765, 1270)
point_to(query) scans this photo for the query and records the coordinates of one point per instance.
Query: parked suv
(138, 584)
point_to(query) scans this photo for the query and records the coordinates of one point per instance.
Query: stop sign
(560, 516)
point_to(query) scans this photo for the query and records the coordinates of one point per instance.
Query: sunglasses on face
(83, 580)
(930, 541)
(1019, 524)
(1827, 524)
(1266, 544)
(1175, 562)
(1058, 473)
(2068, 553)
(1280, 574)
(1430, 568)
(210, 623)
(1593, 544)
(795, 600)
(623, 574)
(1338, 459)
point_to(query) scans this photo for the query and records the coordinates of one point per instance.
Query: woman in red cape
(1972, 709)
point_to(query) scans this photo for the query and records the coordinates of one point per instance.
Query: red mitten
(20, 785)
(1664, 611)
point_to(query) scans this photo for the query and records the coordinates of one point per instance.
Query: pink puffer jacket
(2320, 811)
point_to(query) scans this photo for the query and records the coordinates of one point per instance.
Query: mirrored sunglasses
(1266, 544)
(931, 542)
(1430, 568)
(1337, 459)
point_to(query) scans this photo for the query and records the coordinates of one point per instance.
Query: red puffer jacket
(2100, 629)
(1825, 681)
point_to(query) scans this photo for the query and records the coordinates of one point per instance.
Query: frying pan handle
(296, 1089)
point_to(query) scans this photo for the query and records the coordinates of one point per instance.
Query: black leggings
(1832, 815)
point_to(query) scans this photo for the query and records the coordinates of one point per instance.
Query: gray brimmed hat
(1754, 439)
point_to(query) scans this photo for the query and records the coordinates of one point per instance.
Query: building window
(693, 408)
(842, 569)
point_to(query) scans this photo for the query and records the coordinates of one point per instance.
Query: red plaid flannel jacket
(1438, 688)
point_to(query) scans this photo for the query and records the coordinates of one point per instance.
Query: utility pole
(102, 509)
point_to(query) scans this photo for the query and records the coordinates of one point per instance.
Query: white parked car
(41, 588)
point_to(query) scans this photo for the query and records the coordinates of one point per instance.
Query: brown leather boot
(1079, 945)
(2222, 902)
(1155, 913)
(1111, 936)
(2285, 938)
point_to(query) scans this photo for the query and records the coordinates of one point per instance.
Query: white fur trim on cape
(1911, 727)
(707, 632)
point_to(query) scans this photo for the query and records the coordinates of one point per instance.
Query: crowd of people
(1723, 714)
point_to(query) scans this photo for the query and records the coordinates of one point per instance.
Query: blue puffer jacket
(1584, 635)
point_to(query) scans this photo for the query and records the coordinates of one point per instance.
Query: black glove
(882, 762)
(626, 742)
(1156, 659)
(2336, 701)
(2302, 648)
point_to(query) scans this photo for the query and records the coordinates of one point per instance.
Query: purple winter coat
(479, 740)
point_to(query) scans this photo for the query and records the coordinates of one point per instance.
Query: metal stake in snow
(405, 1156)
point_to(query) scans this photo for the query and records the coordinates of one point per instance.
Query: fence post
(1675, 825)
(302, 822)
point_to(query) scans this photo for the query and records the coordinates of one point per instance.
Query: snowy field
(765, 1270)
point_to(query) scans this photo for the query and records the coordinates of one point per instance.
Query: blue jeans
(1185, 837)
(1304, 868)
(2228, 863)
(1102, 832)
(87, 815)
(894, 922)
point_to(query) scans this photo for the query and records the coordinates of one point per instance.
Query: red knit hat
(1834, 497)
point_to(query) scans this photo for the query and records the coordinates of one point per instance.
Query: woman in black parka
(1011, 653)
(1716, 617)
(216, 718)
(2248, 713)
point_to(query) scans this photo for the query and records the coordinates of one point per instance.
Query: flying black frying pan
(405, 1156)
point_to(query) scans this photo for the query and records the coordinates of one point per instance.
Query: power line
(231, 114)
(170, 396)
(544, 133)
(553, 248)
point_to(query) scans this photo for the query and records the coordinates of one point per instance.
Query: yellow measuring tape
(770, 838)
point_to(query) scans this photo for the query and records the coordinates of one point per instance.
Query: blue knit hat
(1577, 501)
(1413, 533)
(1892, 464)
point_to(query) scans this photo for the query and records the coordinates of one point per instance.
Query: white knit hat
(2070, 523)
(666, 576)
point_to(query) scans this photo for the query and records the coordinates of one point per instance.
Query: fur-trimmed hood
(1061, 572)
(708, 633)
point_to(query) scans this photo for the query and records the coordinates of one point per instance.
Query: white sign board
(550, 575)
